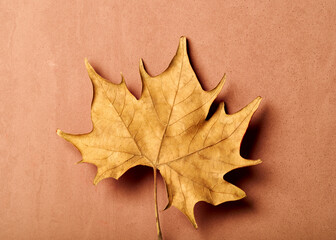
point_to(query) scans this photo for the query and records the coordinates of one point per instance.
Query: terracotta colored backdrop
(281, 50)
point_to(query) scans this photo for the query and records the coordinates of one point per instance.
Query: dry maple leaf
(166, 129)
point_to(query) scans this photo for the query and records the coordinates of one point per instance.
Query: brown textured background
(281, 50)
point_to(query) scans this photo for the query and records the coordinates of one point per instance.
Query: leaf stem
(158, 228)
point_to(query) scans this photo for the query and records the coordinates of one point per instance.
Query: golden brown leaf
(166, 129)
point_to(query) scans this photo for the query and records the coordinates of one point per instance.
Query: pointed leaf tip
(96, 181)
(142, 70)
(194, 224)
(182, 44)
(257, 162)
(59, 132)
(81, 161)
(257, 102)
(88, 66)
(183, 39)
(141, 63)
(122, 78)
(220, 85)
